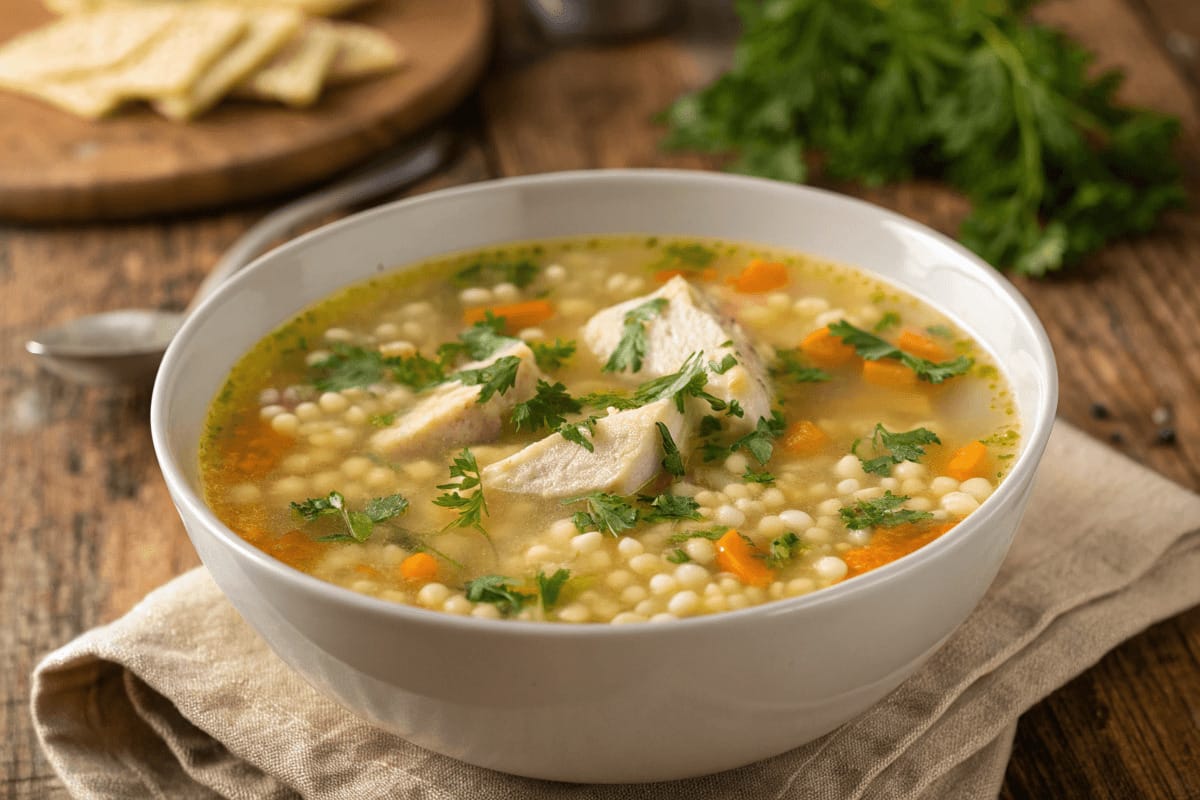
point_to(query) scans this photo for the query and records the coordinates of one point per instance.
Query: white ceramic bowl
(608, 703)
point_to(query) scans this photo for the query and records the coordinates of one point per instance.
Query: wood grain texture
(87, 528)
(55, 167)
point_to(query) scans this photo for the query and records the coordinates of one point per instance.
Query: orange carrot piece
(826, 349)
(736, 556)
(968, 461)
(921, 346)
(889, 373)
(708, 274)
(419, 567)
(804, 438)
(889, 544)
(760, 276)
(516, 315)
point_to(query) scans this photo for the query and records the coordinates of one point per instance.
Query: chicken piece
(628, 452)
(451, 415)
(689, 323)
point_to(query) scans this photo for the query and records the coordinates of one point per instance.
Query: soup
(607, 430)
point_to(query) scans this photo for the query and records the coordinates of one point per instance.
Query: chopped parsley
(550, 586)
(550, 357)
(519, 272)
(381, 420)
(546, 409)
(606, 513)
(872, 348)
(689, 381)
(882, 512)
(631, 348)
(709, 425)
(790, 365)
(783, 549)
(900, 446)
(480, 341)
(672, 460)
(889, 320)
(580, 432)
(760, 442)
(941, 331)
(350, 366)
(764, 477)
(712, 534)
(690, 256)
(470, 507)
(670, 507)
(359, 524)
(496, 378)
(499, 591)
(678, 556)
(727, 363)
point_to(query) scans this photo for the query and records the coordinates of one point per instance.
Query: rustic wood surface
(55, 167)
(86, 527)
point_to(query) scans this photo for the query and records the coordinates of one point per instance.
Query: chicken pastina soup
(607, 430)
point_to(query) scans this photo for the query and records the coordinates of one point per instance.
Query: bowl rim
(1037, 422)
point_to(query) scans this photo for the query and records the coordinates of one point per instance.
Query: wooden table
(86, 527)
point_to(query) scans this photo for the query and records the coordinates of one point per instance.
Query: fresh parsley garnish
(724, 365)
(941, 331)
(1008, 110)
(580, 432)
(519, 272)
(672, 460)
(546, 409)
(498, 590)
(349, 366)
(882, 512)
(783, 549)
(890, 319)
(712, 534)
(496, 378)
(359, 524)
(790, 365)
(631, 347)
(690, 256)
(551, 357)
(709, 425)
(760, 442)
(670, 508)
(470, 507)
(480, 341)
(550, 586)
(689, 381)
(872, 348)
(901, 446)
(381, 420)
(678, 556)
(764, 477)
(606, 513)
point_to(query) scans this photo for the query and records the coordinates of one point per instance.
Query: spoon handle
(389, 172)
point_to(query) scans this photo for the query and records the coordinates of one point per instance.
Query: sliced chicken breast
(628, 452)
(451, 415)
(689, 323)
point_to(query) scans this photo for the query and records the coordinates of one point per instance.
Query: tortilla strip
(362, 51)
(297, 73)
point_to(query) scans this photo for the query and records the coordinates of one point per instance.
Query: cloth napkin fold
(181, 699)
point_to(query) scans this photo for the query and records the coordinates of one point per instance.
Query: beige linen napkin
(181, 699)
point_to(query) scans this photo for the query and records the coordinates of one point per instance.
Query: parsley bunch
(970, 92)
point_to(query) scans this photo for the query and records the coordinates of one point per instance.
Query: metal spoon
(126, 346)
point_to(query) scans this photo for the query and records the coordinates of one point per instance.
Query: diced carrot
(516, 315)
(419, 567)
(804, 438)
(367, 571)
(968, 461)
(739, 558)
(294, 548)
(889, 373)
(708, 274)
(921, 346)
(760, 276)
(826, 349)
(889, 544)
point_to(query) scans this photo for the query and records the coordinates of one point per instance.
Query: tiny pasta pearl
(979, 488)
(663, 584)
(286, 424)
(773, 498)
(244, 493)
(356, 466)
(432, 595)
(690, 576)
(475, 296)
(889, 484)
(645, 564)
(912, 486)
(736, 464)
(810, 306)
(339, 335)
(386, 330)
(959, 503)
(587, 542)
(506, 292)
(270, 412)
(485, 611)
(575, 612)
(457, 605)
(332, 403)
(684, 603)
(830, 568)
(700, 550)
(632, 595)
(664, 617)
(736, 491)
(794, 518)
(555, 272)
(728, 515)
(771, 526)
(799, 586)
(830, 506)
(943, 484)
(909, 469)
(627, 618)
(629, 547)
(308, 411)
(538, 554)
(817, 536)
(848, 467)
(619, 579)
(847, 486)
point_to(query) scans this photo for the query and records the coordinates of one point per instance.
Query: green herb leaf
(902, 446)
(709, 425)
(546, 409)
(349, 366)
(678, 556)
(751, 476)
(499, 591)
(881, 512)
(549, 587)
(580, 432)
(315, 507)
(712, 534)
(470, 507)
(551, 357)
(359, 524)
(381, 509)
(761, 441)
(670, 508)
(481, 340)
(685, 256)
(606, 513)
(727, 363)
(791, 366)
(872, 348)
(631, 348)
(381, 420)
(496, 378)
(890, 319)
(783, 549)
(672, 460)
(484, 272)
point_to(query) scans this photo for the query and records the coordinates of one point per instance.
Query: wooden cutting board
(56, 167)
